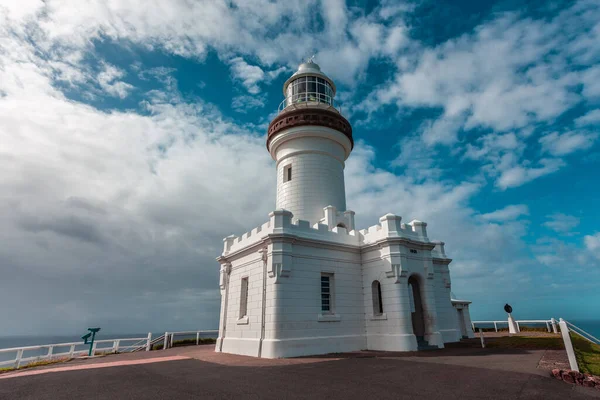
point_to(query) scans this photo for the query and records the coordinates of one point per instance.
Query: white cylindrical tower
(310, 140)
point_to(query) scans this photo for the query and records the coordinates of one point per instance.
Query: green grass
(35, 364)
(186, 342)
(522, 328)
(526, 342)
(587, 354)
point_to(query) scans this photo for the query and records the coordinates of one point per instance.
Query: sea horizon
(591, 326)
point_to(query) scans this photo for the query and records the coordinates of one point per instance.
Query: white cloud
(590, 118)
(245, 103)
(569, 142)
(561, 223)
(108, 79)
(592, 244)
(518, 175)
(250, 75)
(507, 213)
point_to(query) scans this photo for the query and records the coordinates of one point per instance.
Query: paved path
(367, 375)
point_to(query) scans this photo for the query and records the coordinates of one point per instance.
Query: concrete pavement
(356, 375)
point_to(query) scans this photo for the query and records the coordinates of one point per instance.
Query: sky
(132, 140)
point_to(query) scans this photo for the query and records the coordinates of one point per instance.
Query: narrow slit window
(327, 293)
(377, 301)
(244, 298)
(287, 173)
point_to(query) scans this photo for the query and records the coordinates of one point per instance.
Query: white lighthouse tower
(310, 141)
(306, 281)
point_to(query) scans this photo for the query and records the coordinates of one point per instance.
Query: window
(244, 298)
(327, 293)
(287, 173)
(413, 251)
(309, 88)
(377, 302)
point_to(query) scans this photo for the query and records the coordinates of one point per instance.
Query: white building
(307, 281)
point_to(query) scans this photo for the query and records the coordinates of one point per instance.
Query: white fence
(169, 337)
(25, 355)
(75, 349)
(550, 324)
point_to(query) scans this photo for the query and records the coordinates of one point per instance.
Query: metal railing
(587, 336)
(308, 99)
(50, 353)
(550, 324)
(169, 337)
(104, 346)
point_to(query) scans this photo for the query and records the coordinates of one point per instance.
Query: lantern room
(308, 85)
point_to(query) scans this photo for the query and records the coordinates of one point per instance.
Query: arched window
(377, 302)
(341, 225)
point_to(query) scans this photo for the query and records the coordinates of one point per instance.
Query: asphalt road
(351, 378)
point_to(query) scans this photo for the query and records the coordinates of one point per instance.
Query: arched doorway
(416, 307)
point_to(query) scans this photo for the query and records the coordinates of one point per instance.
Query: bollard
(481, 336)
(166, 341)
(197, 338)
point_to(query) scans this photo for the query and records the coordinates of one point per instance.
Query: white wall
(317, 181)
(447, 320)
(391, 331)
(295, 325)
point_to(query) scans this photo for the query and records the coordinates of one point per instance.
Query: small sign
(507, 308)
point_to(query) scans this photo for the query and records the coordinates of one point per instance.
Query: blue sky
(133, 142)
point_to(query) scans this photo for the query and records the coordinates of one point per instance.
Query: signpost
(85, 338)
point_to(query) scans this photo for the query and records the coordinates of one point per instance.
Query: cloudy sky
(132, 140)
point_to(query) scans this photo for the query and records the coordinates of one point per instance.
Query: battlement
(391, 226)
(282, 222)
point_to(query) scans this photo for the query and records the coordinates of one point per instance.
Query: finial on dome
(311, 59)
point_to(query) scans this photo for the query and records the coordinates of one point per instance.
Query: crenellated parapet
(338, 227)
(391, 226)
(282, 222)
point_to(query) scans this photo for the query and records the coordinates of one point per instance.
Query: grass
(522, 329)
(186, 342)
(35, 364)
(526, 342)
(587, 354)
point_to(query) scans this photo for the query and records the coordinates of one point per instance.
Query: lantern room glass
(309, 89)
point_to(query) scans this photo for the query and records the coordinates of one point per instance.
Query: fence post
(71, 351)
(496, 326)
(548, 326)
(116, 345)
(197, 338)
(564, 330)
(50, 351)
(481, 336)
(149, 341)
(518, 327)
(18, 359)
(94, 349)
(166, 341)
(554, 329)
(172, 339)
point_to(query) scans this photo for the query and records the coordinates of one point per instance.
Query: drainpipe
(224, 322)
(264, 300)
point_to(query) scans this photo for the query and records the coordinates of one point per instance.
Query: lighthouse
(310, 141)
(307, 281)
